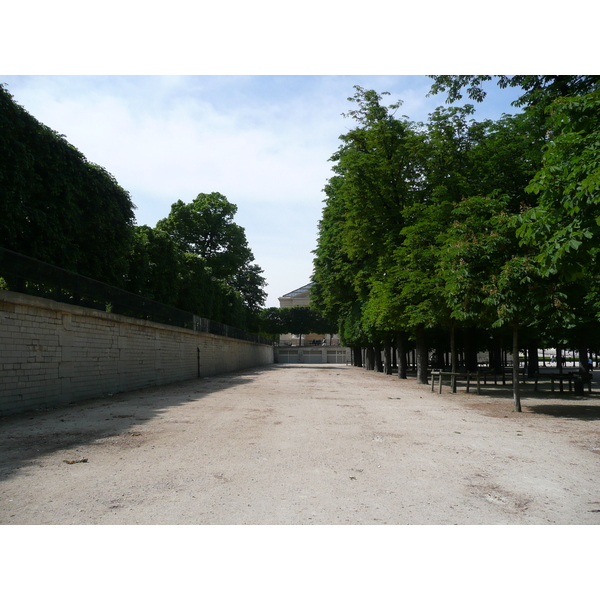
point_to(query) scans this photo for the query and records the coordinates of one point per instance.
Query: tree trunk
(370, 362)
(453, 350)
(516, 388)
(387, 355)
(421, 355)
(497, 364)
(471, 349)
(378, 361)
(439, 358)
(357, 356)
(533, 363)
(559, 359)
(401, 352)
(584, 366)
(582, 350)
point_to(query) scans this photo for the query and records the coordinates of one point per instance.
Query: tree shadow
(573, 411)
(27, 437)
(310, 365)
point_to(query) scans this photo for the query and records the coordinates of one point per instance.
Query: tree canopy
(59, 208)
(459, 224)
(205, 228)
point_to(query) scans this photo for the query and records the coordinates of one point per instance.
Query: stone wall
(313, 354)
(53, 353)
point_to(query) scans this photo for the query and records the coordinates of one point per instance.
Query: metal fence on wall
(31, 276)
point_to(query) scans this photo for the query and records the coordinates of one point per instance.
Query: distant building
(301, 297)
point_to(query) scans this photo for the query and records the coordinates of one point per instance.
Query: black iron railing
(28, 275)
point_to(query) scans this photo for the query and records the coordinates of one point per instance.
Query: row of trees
(60, 208)
(462, 231)
(298, 320)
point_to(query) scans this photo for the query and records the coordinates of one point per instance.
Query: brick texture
(53, 353)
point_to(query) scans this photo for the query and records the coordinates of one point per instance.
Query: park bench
(454, 375)
(575, 380)
(494, 374)
(554, 377)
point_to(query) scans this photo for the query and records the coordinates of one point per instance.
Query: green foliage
(351, 330)
(55, 205)
(155, 266)
(162, 271)
(333, 276)
(299, 320)
(419, 229)
(59, 208)
(537, 89)
(376, 168)
(565, 225)
(205, 228)
(475, 245)
(271, 323)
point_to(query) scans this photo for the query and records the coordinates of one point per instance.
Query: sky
(262, 141)
(247, 99)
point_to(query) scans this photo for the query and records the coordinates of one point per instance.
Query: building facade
(301, 297)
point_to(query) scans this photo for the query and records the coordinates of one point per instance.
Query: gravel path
(304, 444)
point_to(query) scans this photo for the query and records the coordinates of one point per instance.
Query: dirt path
(304, 444)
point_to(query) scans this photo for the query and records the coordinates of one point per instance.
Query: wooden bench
(561, 377)
(571, 377)
(582, 379)
(453, 377)
(492, 373)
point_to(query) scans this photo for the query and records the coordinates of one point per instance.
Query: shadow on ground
(27, 437)
(572, 411)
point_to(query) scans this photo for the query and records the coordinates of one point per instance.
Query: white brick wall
(53, 353)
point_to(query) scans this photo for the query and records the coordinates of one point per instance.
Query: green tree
(297, 320)
(492, 282)
(57, 206)
(389, 256)
(565, 224)
(537, 89)
(375, 168)
(271, 323)
(413, 275)
(155, 266)
(206, 228)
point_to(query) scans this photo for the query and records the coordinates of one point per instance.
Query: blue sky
(262, 141)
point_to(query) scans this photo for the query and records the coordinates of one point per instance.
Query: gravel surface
(305, 444)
